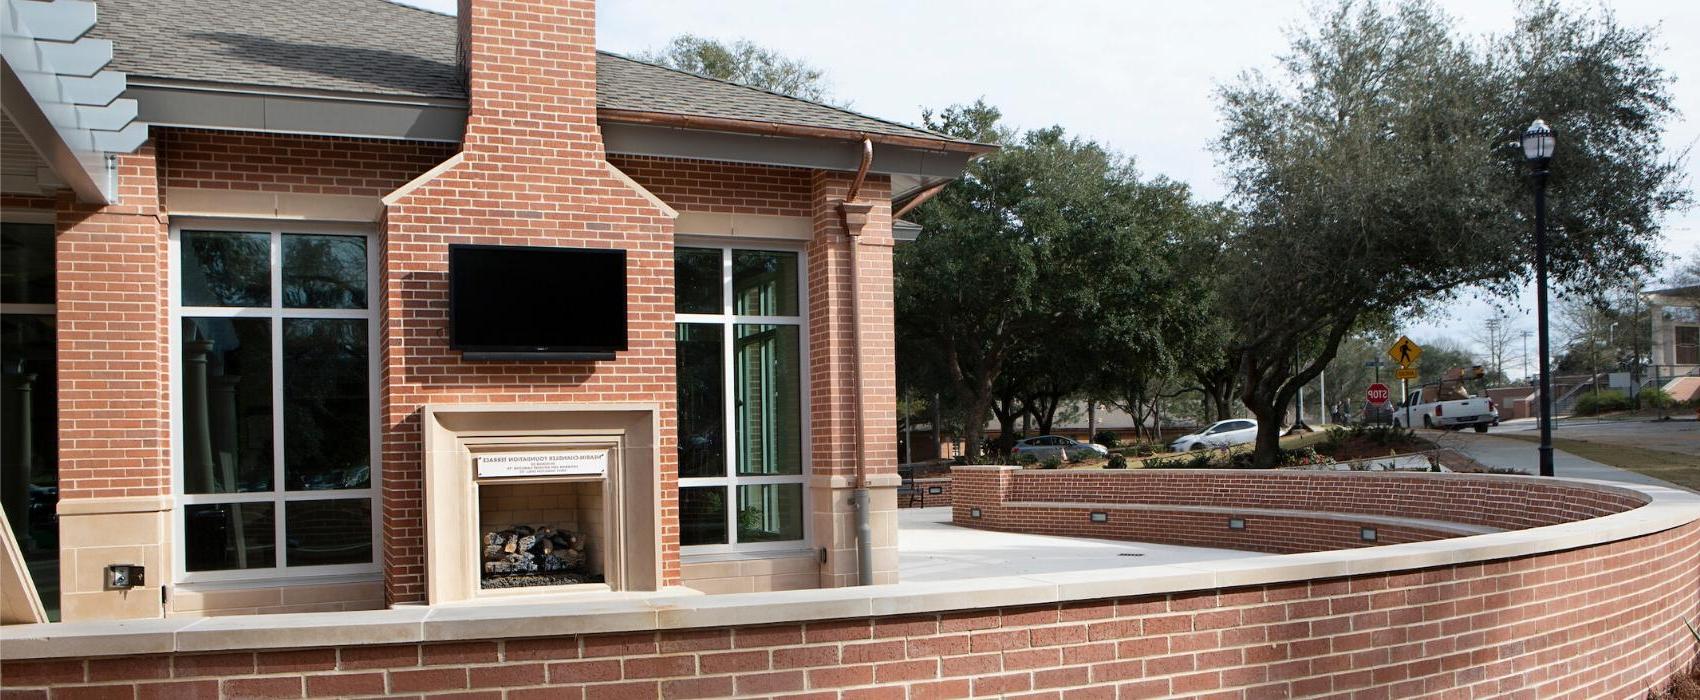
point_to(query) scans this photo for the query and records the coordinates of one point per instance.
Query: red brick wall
(229, 160)
(113, 360)
(532, 175)
(24, 202)
(114, 363)
(727, 188)
(1600, 621)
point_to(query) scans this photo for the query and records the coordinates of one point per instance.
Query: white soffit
(59, 94)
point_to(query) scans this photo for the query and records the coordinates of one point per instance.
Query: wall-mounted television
(534, 303)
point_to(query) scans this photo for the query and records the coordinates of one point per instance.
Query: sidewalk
(1521, 454)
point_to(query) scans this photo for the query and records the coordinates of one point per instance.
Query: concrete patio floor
(930, 548)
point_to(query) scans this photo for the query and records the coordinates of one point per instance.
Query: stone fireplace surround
(629, 546)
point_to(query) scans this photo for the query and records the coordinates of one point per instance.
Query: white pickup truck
(1456, 414)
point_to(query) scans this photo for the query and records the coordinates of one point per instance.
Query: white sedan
(1222, 433)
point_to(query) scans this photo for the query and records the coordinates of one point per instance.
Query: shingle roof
(381, 48)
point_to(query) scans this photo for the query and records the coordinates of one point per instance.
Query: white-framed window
(274, 335)
(742, 351)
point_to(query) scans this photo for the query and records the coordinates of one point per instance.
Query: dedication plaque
(561, 463)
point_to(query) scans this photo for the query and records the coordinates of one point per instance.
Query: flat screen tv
(517, 302)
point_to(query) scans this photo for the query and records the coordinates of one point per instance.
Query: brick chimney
(530, 70)
(531, 172)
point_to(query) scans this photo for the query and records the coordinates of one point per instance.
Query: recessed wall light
(1100, 517)
(935, 489)
(1236, 523)
(973, 512)
(1366, 534)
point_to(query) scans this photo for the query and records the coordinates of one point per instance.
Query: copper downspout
(859, 497)
(861, 171)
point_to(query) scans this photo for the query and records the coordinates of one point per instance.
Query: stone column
(833, 369)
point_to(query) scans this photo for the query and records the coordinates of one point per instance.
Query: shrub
(1107, 439)
(1597, 402)
(1202, 459)
(1655, 397)
(1052, 462)
(1117, 461)
(1027, 459)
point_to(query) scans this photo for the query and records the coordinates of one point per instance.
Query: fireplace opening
(541, 533)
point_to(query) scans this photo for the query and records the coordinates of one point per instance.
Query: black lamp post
(1538, 145)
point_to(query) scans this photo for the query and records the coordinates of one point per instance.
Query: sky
(1137, 75)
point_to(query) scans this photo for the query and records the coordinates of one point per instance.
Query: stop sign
(1378, 394)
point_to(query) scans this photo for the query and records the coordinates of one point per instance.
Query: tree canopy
(1376, 174)
(1050, 265)
(744, 63)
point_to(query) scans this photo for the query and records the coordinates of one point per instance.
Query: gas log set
(535, 556)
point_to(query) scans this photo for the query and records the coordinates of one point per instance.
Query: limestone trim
(424, 178)
(272, 206)
(121, 504)
(737, 225)
(642, 191)
(455, 434)
(1667, 508)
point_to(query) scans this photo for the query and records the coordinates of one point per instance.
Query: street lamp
(1538, 145)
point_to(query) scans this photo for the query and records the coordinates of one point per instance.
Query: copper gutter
(749, 126)
(920, 199)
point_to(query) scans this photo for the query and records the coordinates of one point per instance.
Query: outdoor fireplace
(541, 533)
(543, 499)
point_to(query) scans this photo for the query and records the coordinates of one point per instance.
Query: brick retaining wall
(1600, 621)
(924, 496)
(1282, 512)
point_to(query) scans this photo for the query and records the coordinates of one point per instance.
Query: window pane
(222, 268)
(29, 455)
(770, 512)
(696, 281)
(229, 536)
(227, 405)
(702, 425)
(318, 533)
(702, 515)
(26, 263)
(764, 283)
(326, 404)
(324, 272)
(768, 383)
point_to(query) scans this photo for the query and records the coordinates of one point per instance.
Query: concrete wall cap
(1666, 508)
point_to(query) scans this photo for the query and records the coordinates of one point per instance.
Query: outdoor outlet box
(125, 576)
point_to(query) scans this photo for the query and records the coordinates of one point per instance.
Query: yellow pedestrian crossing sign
(1404, 352)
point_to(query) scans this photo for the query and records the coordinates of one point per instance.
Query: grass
(1674, 467)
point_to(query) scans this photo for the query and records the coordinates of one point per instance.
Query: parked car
(1378, 414)
(1222, 433)
(1455, 414)
(1064, 447)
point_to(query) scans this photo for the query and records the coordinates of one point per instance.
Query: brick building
(228, 343)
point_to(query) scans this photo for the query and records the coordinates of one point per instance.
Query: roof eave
(692, 121)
